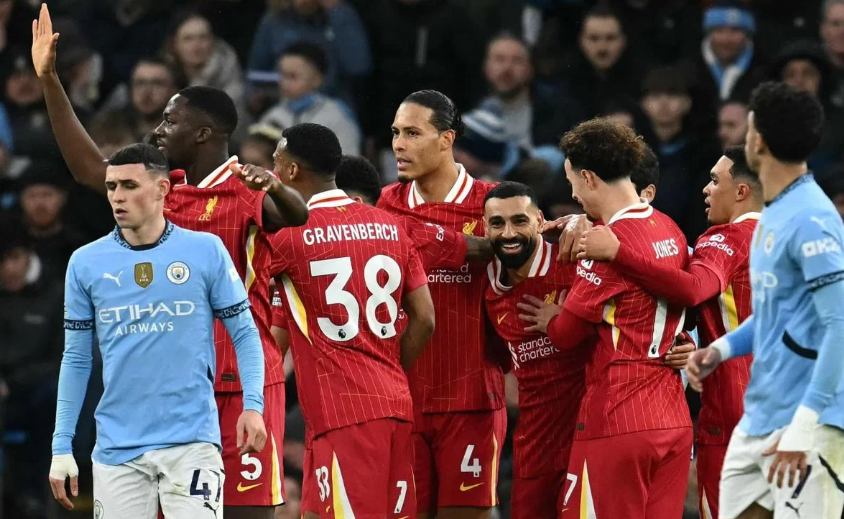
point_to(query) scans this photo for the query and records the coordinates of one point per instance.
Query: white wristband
(723, 346)
(799, 436)
(63, 466)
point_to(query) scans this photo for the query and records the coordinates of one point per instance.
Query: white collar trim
(219, 175)
(330, 198)
(459, 191)
(748, 216)
(637, 210)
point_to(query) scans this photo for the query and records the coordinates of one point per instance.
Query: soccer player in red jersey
(457, 385)
(633, 439)
(717, 281)
(551, 381)
(211, 193)
(343, 276)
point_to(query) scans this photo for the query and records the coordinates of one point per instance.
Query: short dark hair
(214, 103)
(151, 157)
(358, 174)
(611, 150)
(310, 52)
(509, 189)
(647, 172)
(790, 121)
(740, 170)
(315, 146)
(176, 73)
(603, 10)
(445, 116)
(665, 80)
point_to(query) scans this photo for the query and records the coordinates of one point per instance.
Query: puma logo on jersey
(209, 209)
(666, 248)
(116, 278)
(469, 227)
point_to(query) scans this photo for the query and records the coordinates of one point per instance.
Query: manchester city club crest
(769, 242)
(98, 510)
(178, 273)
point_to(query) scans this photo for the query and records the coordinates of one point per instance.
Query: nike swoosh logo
(464, 488)
(241, 488)
(501, 317)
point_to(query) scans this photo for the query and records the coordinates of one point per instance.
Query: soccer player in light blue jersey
(150, 291)
(793, 418)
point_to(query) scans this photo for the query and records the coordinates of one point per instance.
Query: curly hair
(791, 122)
(611, 150)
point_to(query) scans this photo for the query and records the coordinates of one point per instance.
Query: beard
(510, 260)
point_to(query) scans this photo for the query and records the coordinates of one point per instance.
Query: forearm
(81, 154)
(250, 358)
(567, 330)
(478, 249)
(738, 342)
(829, 367)
(73, 383)
(681, 287)
(415, 337)
(283, 207)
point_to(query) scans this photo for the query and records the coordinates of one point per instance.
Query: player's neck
(147, 234)
(435, 186)
(310, 189)
(206, 162)
(776, 176)
(616, 197)
(746, 206)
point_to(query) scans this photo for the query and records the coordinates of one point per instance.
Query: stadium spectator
(483, 147)
(666, 31)
(15, 19)
(832, 35)
(79, 67)
(732, 123)
(302, 68)
(259, 146)
(333, 25)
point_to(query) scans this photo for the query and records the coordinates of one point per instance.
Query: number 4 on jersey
(470, 465)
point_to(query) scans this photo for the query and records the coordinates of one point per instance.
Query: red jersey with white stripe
(628, 388)
(342, 277)
(456, 372)
(551, 382)
(725, 249)
(223, 206)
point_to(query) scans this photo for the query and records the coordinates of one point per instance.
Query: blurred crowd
(523, 71)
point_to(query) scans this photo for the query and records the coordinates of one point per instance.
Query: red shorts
(640, 475)
(457, 458)
(253, 479)
(363, 471)
(538, 498)
(710, 459)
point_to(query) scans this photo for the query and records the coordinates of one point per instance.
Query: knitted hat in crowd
(43, 172)
(485, 137)
(729, 14)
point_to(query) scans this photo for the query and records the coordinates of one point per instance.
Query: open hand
(44, 44)
(786, 461)
(251, 433)
(537, 312)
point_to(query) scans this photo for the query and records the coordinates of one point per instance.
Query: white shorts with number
(187, 480)
(744, 478)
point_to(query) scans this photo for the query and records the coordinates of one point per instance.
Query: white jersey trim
(748, 216)
(219, 175)
(458, 193)
(637, 210)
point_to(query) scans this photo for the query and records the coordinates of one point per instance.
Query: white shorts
(187, 480)
(744, 478)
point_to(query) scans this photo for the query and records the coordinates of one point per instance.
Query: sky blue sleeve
(741, 339)
(231, 305)
(829, 366)
(76, 361)
(816, 248)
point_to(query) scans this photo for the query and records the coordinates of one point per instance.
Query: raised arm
(81, 154)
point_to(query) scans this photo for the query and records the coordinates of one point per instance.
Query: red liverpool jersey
(725, 249)
(438, 246)
(222, 205)
(628, 388)
(456, 372)
(551, 382)
(342, 277)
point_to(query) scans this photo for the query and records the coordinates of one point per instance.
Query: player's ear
(294, 171)
(742, 192)
(203, 134)
(588, 177)
(357, 199)
(447, 139)
(163, 187)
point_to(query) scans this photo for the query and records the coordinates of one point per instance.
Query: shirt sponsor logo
(123, 316)
(716, 241)
(440, 231)
(462, 276)
(761, 282)
(666, 248)
(817, 247)
(582, 270)
(535, 349)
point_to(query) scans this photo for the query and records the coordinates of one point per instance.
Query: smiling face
(418, 145)
(135, 194)
(582, 190)
(512, 226)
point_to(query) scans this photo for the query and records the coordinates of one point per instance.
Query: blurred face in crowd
(135, 194)
(602, 41)
(665, 108)
(727, 43)
(583, 183)
(508, 67)
(42, 205)
(193, 42)
(720, 193)
(803, 75)
(258, 153)
(306, 7)
(418, 145)
(152, 87)
(13, 267)
(298, 77)
(832, 29)
(732, 124)
(23, 88)
(512, 226)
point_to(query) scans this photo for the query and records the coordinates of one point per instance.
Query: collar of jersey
(539, 267)
(118, 237)
(799, 181)
(215, 178)
(637, 210)
(330, 198)
(748, 216)
(459, 191)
